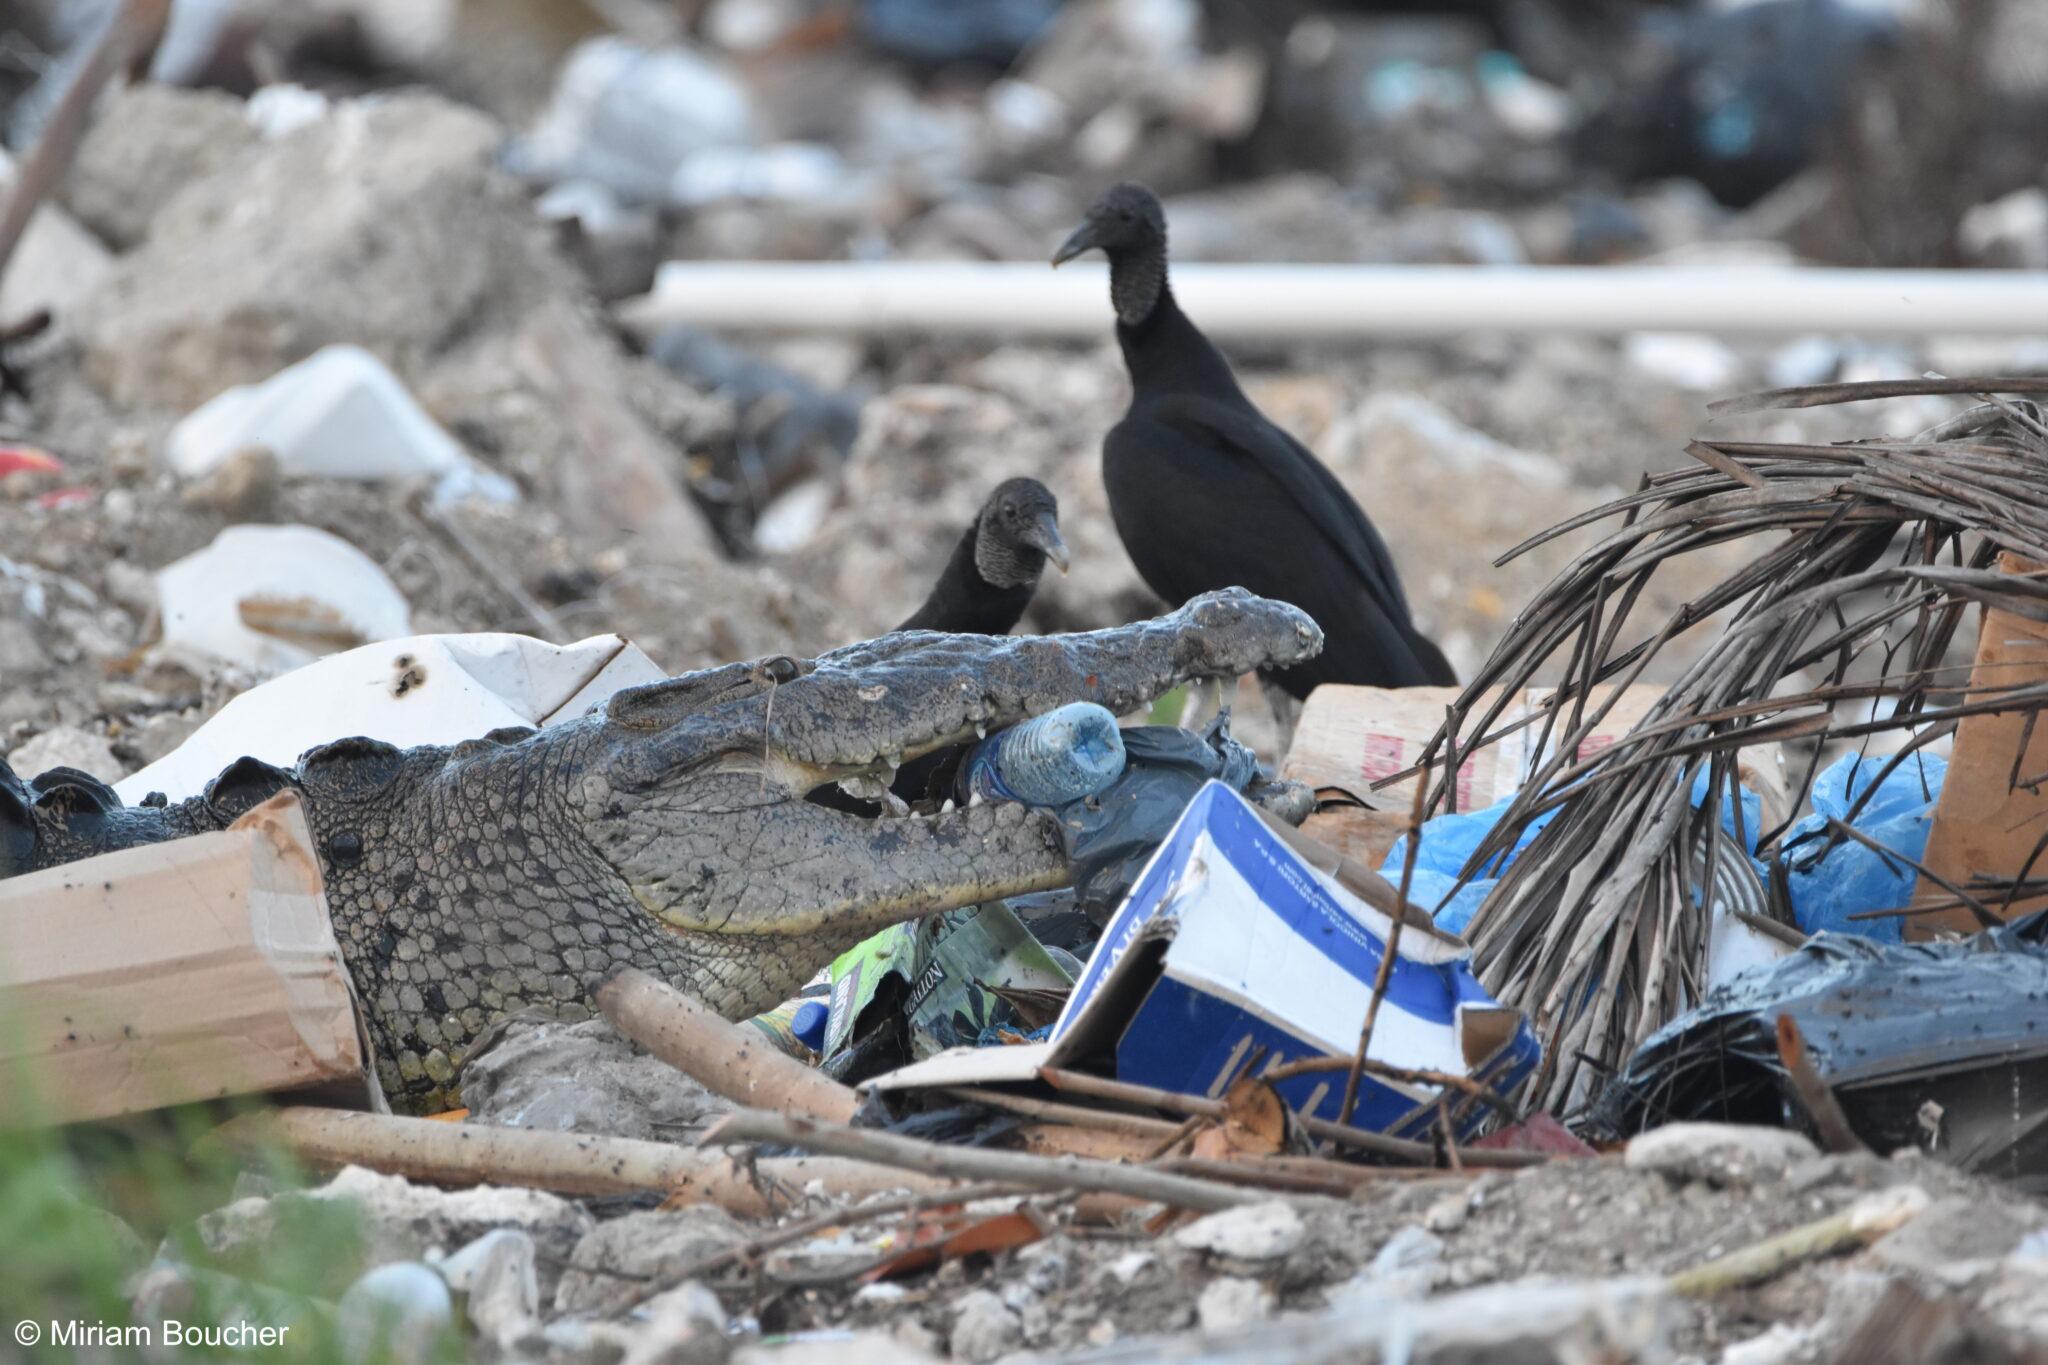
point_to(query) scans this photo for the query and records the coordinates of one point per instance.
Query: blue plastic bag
(1830, 884)
(1449, 840)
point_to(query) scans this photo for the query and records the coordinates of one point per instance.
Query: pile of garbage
(321, 418)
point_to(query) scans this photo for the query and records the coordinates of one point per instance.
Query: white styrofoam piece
(200, 597)
(337, 414)
(454, 687)
(56, 262)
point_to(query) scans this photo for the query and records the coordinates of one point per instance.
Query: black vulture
(983, 590)
(1207, 493)
(994, 570)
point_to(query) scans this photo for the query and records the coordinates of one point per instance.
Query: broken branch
(976, 1163)
(728, 1059)
(568, 1163)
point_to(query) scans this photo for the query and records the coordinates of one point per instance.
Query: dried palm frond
(1596, 929)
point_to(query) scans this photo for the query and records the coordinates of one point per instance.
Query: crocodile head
(668, 831)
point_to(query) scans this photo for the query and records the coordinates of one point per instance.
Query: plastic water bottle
(1052, 759)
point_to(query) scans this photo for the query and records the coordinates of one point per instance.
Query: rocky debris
(496, 1277)
(149, 142)
(613, 1260)
(1252, 1233)
(1719, 1153)
(684, 1326)
(1230, 1303)
(391, 1220)
(335, 232)
(1957, 1241)
(983, 1328)
(67, 746)
(397, 1312)
(581, 1078)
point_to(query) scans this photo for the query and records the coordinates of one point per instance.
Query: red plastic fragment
(1540, 1132)
(27, 459)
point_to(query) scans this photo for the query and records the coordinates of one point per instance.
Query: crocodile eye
(780, 670)
(346, 849)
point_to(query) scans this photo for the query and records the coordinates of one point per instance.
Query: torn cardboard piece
(1353, 737)
(175, 972)
(1232, 940)
(425, 689)
(1984, 825)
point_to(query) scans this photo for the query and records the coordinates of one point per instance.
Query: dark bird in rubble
(983, 590)
(1207, 493)
(995, 568)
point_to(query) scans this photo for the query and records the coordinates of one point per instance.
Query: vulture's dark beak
(1043, 531)
(1082, 240)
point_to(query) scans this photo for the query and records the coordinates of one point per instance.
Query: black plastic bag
(1941, 1046)
(1108, 837)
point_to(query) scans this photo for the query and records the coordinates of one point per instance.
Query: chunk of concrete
(1250, 1232)
(983, 1328)
(149, 142)
(1957, 1241)
(338, 231)
(605, 1271)
(67, 746)
(1228, 1302)
(685, 1326)
(397, 1220)
(582, 1078)
(1719, 1153)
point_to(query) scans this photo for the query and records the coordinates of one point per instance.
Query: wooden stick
(733, 1060)
(129, 40)
(1388, 953)
(978, 1163)
(568, 1163)
(797, 1231)
(1081, 1116)
(1478, 1090)
(1359, 1139)
(1863, 1223)
(1814, 1092)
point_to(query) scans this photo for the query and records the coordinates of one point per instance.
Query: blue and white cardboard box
(1231, 941)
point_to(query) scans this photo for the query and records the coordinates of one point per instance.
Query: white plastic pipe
(1346, 300)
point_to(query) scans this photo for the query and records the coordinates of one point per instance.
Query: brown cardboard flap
(1352, 737)
(1983, 825)
(173, 972)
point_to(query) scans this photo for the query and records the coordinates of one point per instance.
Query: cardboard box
(1351, 737)
(1983, 825)
(1232, 940)
(175, 972)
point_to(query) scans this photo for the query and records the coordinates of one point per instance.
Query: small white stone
(1231, 1302)
(982, 1328)
(67, 746)
(1251, 1232)
(1719, 1153)
(1131, 1264)
(1447, 1214)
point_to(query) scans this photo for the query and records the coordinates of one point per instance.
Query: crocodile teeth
(946, 806)
(973, 800)
(980, 730)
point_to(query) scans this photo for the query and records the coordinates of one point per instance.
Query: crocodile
(668, 830)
